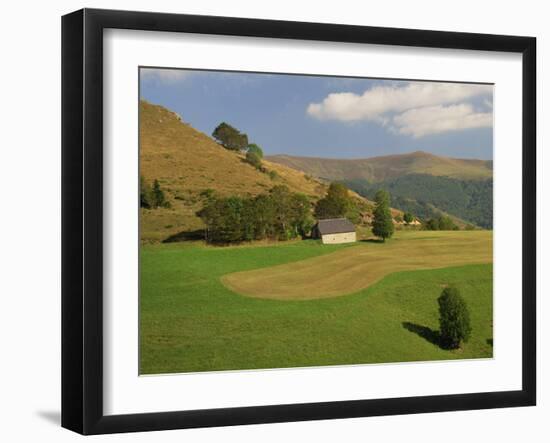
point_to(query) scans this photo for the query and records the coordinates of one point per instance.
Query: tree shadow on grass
(372, 240)
(426, 333)
(197, 234)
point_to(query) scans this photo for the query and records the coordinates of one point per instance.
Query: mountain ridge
(380, 168)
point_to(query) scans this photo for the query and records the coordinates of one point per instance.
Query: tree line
(283, 215)
(441, 223)
(279, 214)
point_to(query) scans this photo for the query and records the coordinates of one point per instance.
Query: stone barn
(335, 230)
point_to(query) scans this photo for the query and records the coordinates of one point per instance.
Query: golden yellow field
(352, 269)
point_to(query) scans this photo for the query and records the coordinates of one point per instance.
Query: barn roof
(335, 226)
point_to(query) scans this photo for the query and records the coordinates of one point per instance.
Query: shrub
(254, 148)
(446, 224)
(144, 194)
(441, 223)
(454, 318)
(253, 159)
(273, 175)
(432, 224)
(207, 193)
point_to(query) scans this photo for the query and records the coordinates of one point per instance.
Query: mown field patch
(353, 269)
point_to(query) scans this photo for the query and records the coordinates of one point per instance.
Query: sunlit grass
(190, 321)
(356, 268)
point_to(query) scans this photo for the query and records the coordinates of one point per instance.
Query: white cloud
(379, 100)
(383, 104)
(164, 75)
(437, 119)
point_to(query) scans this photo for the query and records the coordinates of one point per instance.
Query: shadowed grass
(423, 331)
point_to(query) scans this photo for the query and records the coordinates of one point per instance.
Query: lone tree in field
(382, 225)
(454, 318)
(230, 137)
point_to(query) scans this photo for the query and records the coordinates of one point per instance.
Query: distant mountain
(429, 196)
(425, 184)
(377, 169)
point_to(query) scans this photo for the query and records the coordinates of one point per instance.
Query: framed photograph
(269, 221)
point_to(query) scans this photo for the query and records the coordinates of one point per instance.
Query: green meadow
(191, 321)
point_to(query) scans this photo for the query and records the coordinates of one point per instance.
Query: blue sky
(331, 116)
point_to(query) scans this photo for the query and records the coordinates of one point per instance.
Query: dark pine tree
(382, 225)
(158, 199)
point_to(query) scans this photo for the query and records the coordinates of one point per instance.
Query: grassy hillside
(190, 321)
(187, 162)
(377, 169)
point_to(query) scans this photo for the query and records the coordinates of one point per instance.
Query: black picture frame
(82, 219)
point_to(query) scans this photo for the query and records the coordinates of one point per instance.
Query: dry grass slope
(187, 162)
(356, 268)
